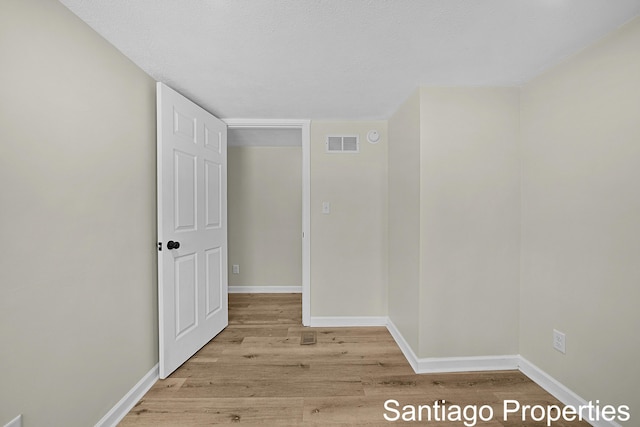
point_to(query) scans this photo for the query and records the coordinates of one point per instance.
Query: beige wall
(78, 315)
(528, 220)
(469, 216)
(404, 219)
(265, 215)
(349, 246)
(581, 219)
(454, 212)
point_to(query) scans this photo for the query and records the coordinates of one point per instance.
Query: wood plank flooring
(257, 373)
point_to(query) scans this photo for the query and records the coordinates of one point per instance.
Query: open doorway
(269, 198)
(265, 210)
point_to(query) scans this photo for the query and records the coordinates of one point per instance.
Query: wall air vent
(343, 144)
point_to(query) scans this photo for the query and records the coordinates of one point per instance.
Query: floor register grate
(308, 337)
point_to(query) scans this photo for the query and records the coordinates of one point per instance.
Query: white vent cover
(343, 144)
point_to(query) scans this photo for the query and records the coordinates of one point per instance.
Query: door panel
(184, 126)
(212, 140)
(213, 177)
(185, 184)
(192, 211)
(186, 307)
(213, 279)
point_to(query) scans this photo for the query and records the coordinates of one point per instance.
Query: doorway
(287, 131)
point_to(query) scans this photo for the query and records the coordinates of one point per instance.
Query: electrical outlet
(559, 341)
(235, 269)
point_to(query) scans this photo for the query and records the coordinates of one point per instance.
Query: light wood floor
(257, 373)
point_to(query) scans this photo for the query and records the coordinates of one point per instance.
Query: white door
(192, 227)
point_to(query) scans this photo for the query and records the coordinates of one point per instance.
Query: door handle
(173, 245)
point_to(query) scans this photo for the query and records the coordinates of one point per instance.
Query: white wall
(581, 220)
(404, 219)
(78, 315)
(469, 217)
(349, 246)
(265, 215)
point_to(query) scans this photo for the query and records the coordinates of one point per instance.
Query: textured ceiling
(343, 59)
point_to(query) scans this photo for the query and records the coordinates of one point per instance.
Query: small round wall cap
(373, 136)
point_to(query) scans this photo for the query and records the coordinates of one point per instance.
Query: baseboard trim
(451, 364)
(559, 390)
(494, 363)
(468, 364)
(550, 384)
(404, 345)
(265, 289)
(122, 408)
(347, 321)
(16, 422)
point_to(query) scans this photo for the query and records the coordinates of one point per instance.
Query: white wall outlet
(326, 208)
(16, 422)
(235, 269)
(559, 341)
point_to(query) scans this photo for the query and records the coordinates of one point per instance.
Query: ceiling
(343, 59)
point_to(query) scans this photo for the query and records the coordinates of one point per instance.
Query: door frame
(305, 128)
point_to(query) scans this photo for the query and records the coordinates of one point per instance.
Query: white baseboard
(16, 422)
(347, 321)
(122, 408)
(265, 289)
(559, 390)
(404, 345)
(451, 364)
(468, 364)
(493, 363)
(550, 384)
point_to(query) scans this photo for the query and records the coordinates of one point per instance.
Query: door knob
(173, 245)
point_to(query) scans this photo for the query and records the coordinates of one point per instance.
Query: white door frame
(305, 128)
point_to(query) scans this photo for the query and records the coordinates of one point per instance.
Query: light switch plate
(326, 208)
